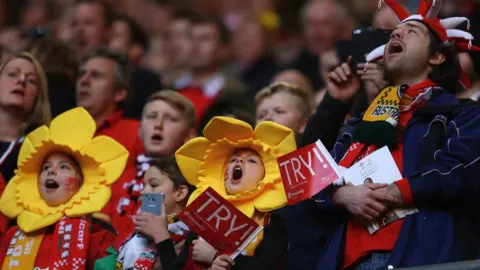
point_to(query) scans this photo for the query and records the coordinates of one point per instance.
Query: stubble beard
(394, 69)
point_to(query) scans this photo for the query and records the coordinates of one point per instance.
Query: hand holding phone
(152, 222)
(342, 83)
(152, 203)
(373, 77)
(363, 41)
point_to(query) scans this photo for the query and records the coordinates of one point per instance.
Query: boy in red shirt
(168, 121)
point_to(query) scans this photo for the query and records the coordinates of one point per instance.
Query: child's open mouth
(157, 139)
(51, 185)
(237, 174)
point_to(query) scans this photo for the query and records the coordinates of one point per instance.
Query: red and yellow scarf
(71, 236)
(381, 124)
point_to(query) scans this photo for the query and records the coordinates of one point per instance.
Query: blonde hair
(40, 114)
(178, 101)
(305, 104)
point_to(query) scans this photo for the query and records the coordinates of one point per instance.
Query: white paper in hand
(380, 168)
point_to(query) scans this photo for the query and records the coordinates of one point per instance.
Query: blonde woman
(23, 105)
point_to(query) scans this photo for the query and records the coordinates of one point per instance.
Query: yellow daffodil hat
(101, 158)
(203, 161)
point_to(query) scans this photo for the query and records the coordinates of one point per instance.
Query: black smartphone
(152, 203)
(344, 49)
(363, 41)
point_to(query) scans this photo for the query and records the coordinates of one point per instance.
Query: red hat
(444, 29)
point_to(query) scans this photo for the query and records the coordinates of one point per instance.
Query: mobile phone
(344, 49)
(365, 40)
(152, 203)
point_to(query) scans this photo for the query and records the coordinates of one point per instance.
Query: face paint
(226, 175)
(72, 183)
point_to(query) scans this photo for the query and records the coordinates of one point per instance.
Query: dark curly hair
(448, 73)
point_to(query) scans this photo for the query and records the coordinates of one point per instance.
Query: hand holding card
(220, 223)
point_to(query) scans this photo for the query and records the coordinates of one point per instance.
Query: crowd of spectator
(152, 74)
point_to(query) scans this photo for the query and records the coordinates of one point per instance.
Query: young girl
(152, 245)
(61, 182)
(241, 165)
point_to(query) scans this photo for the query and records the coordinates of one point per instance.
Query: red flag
(307, 171)
(220, 223)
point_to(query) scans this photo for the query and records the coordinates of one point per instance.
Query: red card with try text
(220, 223)
(307, 171)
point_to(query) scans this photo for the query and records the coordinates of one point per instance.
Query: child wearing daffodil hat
(241, 165)
(62, 181)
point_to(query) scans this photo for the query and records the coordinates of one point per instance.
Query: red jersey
(125, 132)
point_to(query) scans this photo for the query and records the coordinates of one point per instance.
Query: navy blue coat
(445, 190)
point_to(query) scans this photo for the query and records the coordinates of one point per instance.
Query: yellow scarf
(382, 116)
(22, 250)
(385, 107)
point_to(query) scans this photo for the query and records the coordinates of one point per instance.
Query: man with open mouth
(435, 142)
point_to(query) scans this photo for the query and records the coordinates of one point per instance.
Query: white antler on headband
(451, 23)
(455, 33)
(434, 9)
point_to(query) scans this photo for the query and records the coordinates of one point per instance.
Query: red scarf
(73, 237)
(129, 204)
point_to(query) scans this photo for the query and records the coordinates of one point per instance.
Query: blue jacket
(445, 189)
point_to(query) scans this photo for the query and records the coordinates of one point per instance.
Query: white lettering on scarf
(16, 252)
(65, 236)
(81, 233)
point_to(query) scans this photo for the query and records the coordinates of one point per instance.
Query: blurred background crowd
(129, 59)
(228, 49)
